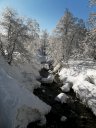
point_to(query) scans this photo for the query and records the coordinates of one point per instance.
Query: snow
(62, 97)
(46, 66)
(41, 59)
(29, 75)
(56, 68)
(66, 72)
(86, 91)
(25, 73)
(83, 83)
(43, 91)
(18, 105)
(66, 87)
(49, 79)
(91, 76)
(63, 119)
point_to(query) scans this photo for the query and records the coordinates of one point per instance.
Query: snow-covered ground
(25, 73)
(83, 82)
(18, 105)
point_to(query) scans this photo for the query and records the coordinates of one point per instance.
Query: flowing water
(78, 115)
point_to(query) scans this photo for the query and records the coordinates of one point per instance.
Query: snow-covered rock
(62, 97)
(49, 79)
(66, 87)
(46, 66)
(63, 119)
(43, 91)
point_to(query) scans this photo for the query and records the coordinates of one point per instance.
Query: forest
(47, 79)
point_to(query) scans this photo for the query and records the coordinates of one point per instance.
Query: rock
(63, 119)
(49, 79)
(62, 97)
(43, 91)
(66, 87)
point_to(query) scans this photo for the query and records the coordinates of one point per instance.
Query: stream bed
(78, 115)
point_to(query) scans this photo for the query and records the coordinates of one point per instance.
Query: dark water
(78, 116)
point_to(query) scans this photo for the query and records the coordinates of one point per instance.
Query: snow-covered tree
(91, 35)
(16, 32)
(43, 46)
(33, 43)
(54, 49)
(44, 42)
(71, 31)
(92, 2)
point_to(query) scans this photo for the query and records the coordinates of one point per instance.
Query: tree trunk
(10, 54)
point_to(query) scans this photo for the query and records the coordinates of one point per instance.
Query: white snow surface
(18, 105)
(62, 97)
(66, 72)
(46, 66)
(83, 83)
(63, 119)
(56, 68)
(49, 79)
(66, 87)
(24, 73)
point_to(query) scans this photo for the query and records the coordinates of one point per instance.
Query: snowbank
(83, 84)
(29, 75)
(25, 73)
(18, 106)
(66, 72)
(85, 89)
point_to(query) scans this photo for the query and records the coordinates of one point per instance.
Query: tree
(17, 31)
(55, 49)
(71, 31)
(91, 35)
(92, 2)
(44, 42)
(33, 43)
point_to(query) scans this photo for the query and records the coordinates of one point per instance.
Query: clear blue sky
(48, 12)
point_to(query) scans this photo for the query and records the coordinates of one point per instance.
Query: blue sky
(48, 12)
